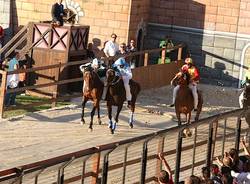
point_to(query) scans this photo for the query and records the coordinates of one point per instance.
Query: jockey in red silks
(194, 79)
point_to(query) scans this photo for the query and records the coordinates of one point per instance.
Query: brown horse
(93, 91)
(116, 95)
(184, 102)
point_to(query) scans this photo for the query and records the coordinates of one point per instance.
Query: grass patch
(25, 100)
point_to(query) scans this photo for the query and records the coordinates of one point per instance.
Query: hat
(188, 60)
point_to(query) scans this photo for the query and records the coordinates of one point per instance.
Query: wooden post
(55, 93)
(3, 92)
(95, 167)
(179, 53)
(215, 127)
(160, 150)
(163, 55)
(146, 59)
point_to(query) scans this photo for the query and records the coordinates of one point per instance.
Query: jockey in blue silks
(124, 71)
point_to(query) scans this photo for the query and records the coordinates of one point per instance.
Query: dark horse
(116, 95)
(184, 102)
(93, 91)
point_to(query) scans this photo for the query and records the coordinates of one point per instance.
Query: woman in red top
(1, 36)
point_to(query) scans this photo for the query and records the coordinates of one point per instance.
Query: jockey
(124, 71)
(98, 66)
(245, 83)
(194, 79)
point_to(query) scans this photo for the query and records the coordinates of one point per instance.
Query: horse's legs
(92, 116)
(119, 108)
(110, 118)
(83, 106)
(131, 119)
(98, 113)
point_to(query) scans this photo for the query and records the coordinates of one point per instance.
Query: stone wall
(209, 29)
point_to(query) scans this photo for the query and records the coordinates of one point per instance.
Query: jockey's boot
(171, 105)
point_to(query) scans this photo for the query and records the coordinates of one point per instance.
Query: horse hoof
(111, 131)
(187, 133)
(82, 122)
(131, 125)
(90, 130)
(99, 122)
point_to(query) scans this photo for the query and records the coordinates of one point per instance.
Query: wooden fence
(149, 76)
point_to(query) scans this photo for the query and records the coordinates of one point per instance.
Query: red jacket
(192, 71)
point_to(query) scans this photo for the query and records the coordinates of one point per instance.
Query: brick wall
(139, 12)
(219, 15)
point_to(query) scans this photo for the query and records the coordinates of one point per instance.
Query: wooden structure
(56, 45)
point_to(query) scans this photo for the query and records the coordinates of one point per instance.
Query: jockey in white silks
(125, 72)
(98, 67)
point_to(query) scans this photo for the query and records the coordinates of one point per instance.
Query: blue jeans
(10, 98)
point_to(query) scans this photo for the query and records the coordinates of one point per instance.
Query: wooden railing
(57, 82)
(15, 42)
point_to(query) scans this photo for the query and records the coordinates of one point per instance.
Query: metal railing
(135, 160)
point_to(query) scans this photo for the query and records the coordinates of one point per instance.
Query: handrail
(60, 159)
(13, 39)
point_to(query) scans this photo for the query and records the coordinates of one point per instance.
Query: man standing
(57, 13)
(111, 47)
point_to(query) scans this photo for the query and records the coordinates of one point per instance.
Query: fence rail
(100, 155)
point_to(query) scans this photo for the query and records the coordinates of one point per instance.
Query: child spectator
(165, 176)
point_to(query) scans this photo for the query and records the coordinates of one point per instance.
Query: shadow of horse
(116, 95)
(184, 102)
(92, 91)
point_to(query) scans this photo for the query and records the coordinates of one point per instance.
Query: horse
(184, 102)
(116, 95)
(93, 91)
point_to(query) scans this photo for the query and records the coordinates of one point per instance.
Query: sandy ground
(216, 99)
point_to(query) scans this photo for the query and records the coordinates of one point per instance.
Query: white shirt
(111, 48)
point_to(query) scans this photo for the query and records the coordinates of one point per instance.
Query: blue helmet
(120, 61)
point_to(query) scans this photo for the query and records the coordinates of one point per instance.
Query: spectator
(165, 176)
(215, 174)
(111, 47)
(205, 174)
(246, 150)
(12, 80)
(226, 177)
(57, 13)
(132, 48)
(122, 49)
(192, 180)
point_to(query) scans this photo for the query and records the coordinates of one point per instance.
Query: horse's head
(110, 74)
(88, 76)
(181, 79)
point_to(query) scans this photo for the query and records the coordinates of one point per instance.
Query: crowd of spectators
(231, 169)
